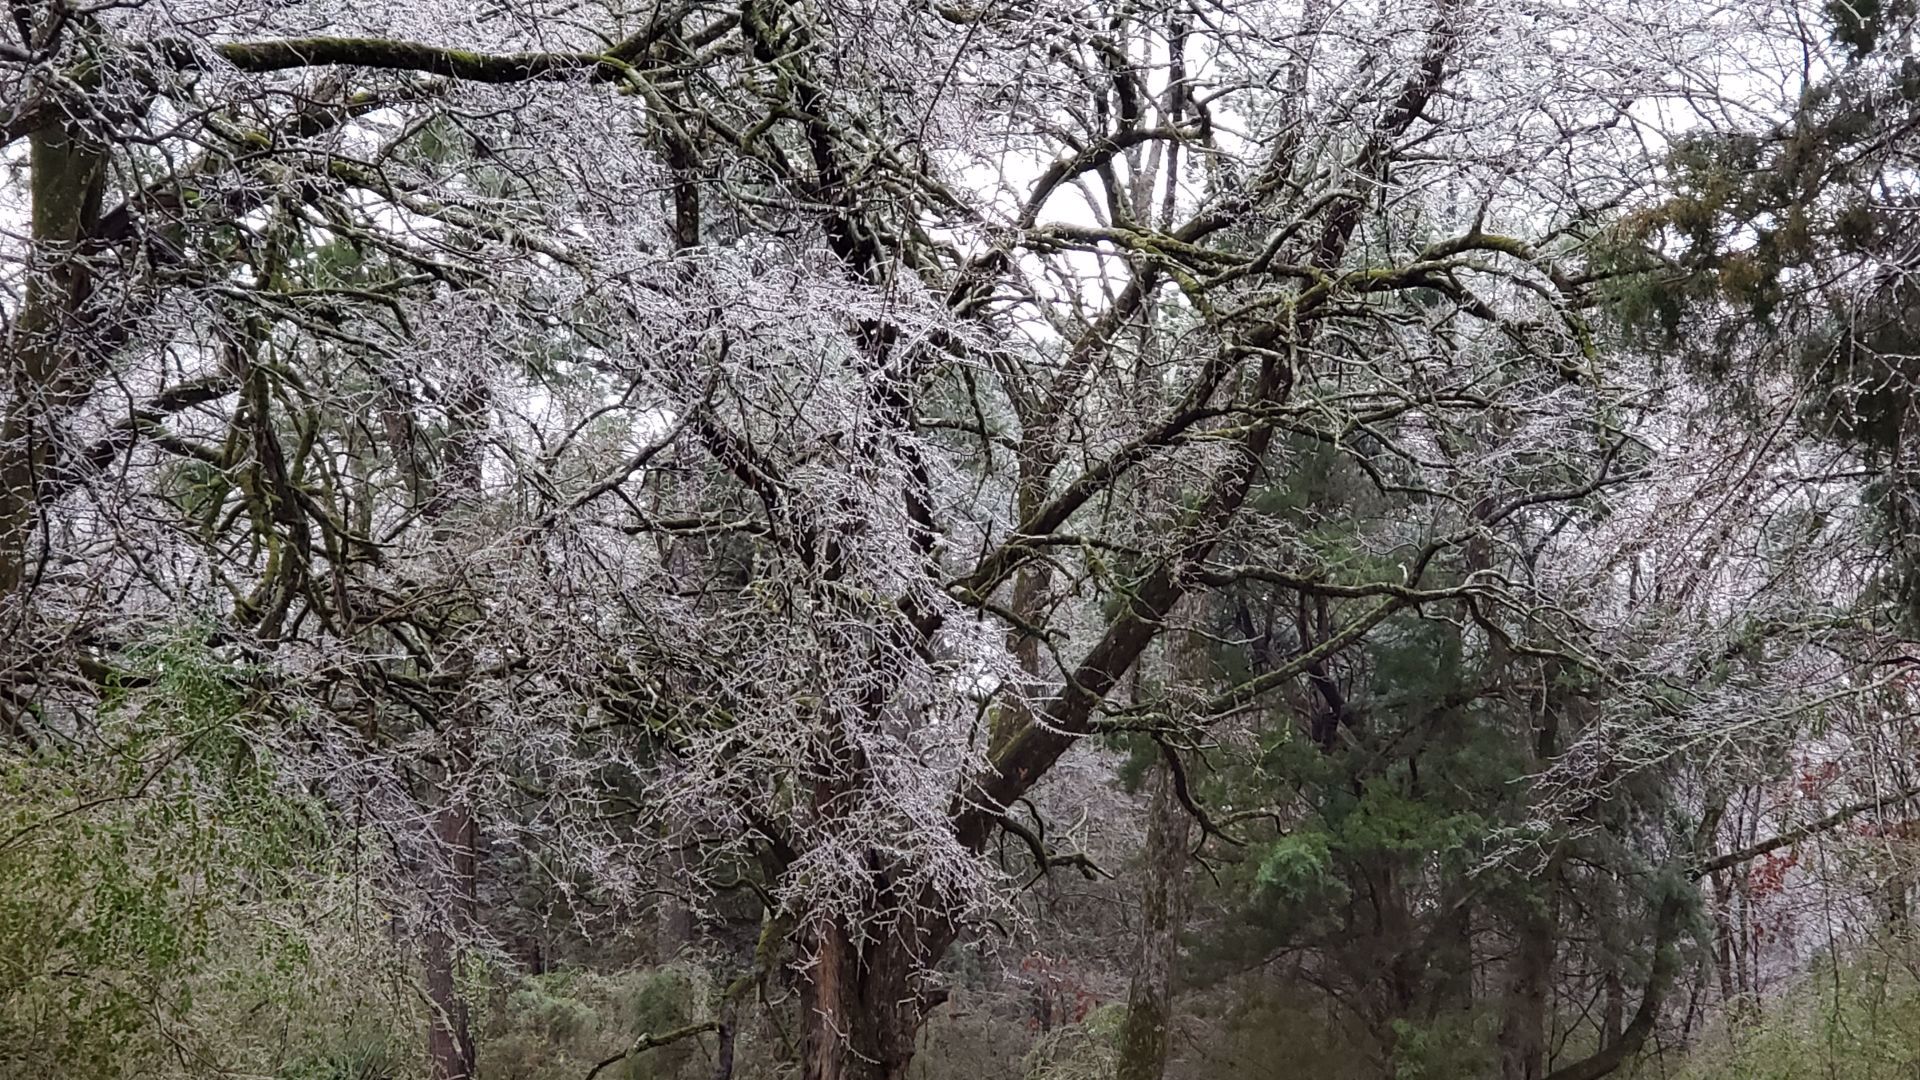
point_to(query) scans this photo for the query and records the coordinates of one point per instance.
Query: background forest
(881, 539)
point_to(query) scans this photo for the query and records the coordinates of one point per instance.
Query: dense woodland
(882, 539)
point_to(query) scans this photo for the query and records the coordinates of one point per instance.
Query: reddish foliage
(1059, 996)
(1768, 875)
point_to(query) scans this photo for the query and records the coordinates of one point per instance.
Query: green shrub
(1857, 1019)
(165, 890)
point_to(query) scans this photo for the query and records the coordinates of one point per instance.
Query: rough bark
(860, 1009)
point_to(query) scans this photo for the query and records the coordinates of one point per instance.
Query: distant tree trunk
(1144, 1038)
(1613, 1012)
(1746, 964)
(1723, 934)
(1895, 903)
(454, 881)
(1523, 1025)
(1896, 889)
(673, 922)
(1453, 961)
(450, 1050)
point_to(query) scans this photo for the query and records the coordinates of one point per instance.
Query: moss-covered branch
(263, 56)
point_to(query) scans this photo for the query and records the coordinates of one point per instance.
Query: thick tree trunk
(1523, 1027)
(860, 1011)
(1144, 1037)
(68, 180)
(450, 1052)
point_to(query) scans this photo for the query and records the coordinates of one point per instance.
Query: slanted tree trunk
(1665, 965)
(1144, 1037)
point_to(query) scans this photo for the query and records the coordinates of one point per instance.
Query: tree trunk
(1451, 961)
(1523, 1025)
(1613, 1013)
(454, 881)
(68, 180)
(860, 1012)
(450, 1050)
(1144, 1038)
(1723, 934)
(1660, 976)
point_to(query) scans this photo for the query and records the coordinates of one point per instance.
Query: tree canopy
(742, 520)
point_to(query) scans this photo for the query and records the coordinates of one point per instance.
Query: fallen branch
(649, 1042)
